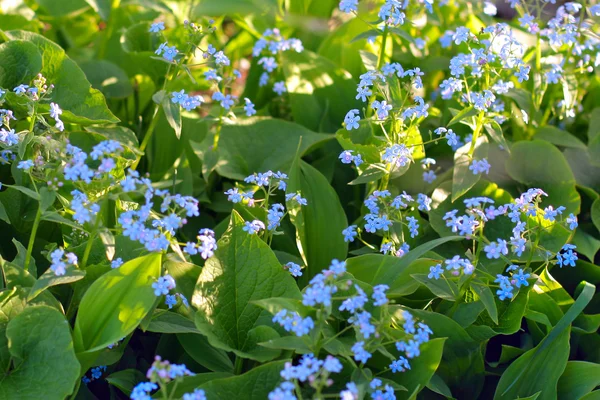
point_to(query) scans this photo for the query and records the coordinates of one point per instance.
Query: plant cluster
(374, 199)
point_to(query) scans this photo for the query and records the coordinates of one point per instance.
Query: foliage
(299, 199)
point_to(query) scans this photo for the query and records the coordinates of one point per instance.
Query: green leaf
(260, 144)
(371, 174)
(108, 78)
(116, 303)
(578, 379)
(487, 298)
(339, 46)
(320, 222)
(169, 322)
(188, 384)
(441, 288)
(288, 343)
(49, 279)
(126, 379)
(594, 126)
(462, 365)
(253, 385)
(72, 92)
(197, 347)
(594, 150)
(494, 130)
(559, 137)
(376, 269)
(586, 244)
(47, 198)
(63, 8)
(320, 93)
(596, 213)
(39, 341)
(421, 369)
(462, 115)
(172, 111)
(540, 368)
(21, 62)
(463, 178)
(540, 164)
(242, 270)
(26, 191)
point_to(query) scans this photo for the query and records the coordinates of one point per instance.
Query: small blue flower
(435, 272)
(25, 165)
(157, 27)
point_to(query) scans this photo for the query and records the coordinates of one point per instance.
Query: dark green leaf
(320, 222)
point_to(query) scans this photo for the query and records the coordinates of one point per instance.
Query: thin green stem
(36, 223)
(239, 365)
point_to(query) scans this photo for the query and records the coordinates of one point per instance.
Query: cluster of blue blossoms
(160, 373)
(319, 295)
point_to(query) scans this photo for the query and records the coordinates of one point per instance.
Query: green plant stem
(36, 223)
(239, 365)
(476, 132)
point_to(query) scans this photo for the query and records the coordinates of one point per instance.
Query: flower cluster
(529, 219)
(205, 245)
(160, 373)
(95, 373)
(268, 183)
(60, 261)
(360, 313)
(269, 48)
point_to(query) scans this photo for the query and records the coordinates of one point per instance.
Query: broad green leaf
(319, 222)
(116, 303)
(188, 384)
(494, 130)
(594, 126)
(442, 288)
(72, 92)
(172, 111)
(463, 178)
(586, 244)
(169, 322)
(594, 151)
(371, 174)
(255, 384)
(510, 315)
(49, 279)
(108, 78)
(260, 144)
(596, 213)
(125, 380)
(507, 354)
(230, 7)
(62, 8)
(320, 92)
(541, 164)
(559, 137)
(21, 62)
(487, 298)
(578, 379)
(595, 395)
(540, 368)
(360, 141)
(462, 115)
(242, 270)
(421, 369)
(462, 365)
(376, 269)
(197, 347)
(288, 343)
(39, 341)
(339, 47)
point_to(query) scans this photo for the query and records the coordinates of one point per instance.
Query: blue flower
(360, 354)
(496, 249)
(413, 226)
(351, 120)
(197, 394)
(521, 279)
(348, 6)
(567, 256)
(25, 165)
(379, 296)
(349, 233)
(279, 87)
(400, 365)
(116, 263)
(435, 272)
(480, 166)
(294, 269)
(249, 107)
(253, 227)
(157, 27)
(572, 221)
